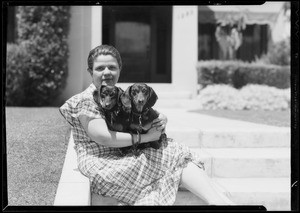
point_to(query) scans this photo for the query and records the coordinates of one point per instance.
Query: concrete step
(246, 162)
(245, 138)
(73, 188)
(180, 102)
(230, 137)
(273, 193)
(196, 130)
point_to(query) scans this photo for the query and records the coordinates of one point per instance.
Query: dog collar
(144, 112)
(139, 115)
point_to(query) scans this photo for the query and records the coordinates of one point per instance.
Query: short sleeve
(76, 106)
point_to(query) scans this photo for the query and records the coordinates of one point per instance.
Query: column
(185, 48)
(79, 44)
(94, 35)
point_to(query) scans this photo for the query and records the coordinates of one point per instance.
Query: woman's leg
(196, 181)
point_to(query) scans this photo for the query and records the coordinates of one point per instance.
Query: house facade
(161, 45)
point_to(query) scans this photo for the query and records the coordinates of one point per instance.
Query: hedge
(42, 32)
(250, 97)
(239, 74)
(16, 57)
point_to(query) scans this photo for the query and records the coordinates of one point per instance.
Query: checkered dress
(151, 178)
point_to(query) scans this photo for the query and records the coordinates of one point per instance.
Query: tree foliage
(43, 32)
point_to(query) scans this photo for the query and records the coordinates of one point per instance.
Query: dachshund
(108, 100)
(139, 98)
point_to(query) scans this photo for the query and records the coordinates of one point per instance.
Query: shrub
(215, 72)
(16, 74)
(262, 74)
(279, 53)
(44, 30)
(250, 97)
(239, 74)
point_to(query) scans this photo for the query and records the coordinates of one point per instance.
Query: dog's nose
(140, 101)
(107, 105)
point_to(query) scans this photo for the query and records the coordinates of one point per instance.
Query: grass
(274, 118)
(36, 143)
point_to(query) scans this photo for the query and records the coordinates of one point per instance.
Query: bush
(250, 97)
(278, 54)
(43, 30)
(216, 72)
(239, 74)
(270, 75)
(16, 74)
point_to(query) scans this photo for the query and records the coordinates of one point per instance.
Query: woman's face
(105, 71)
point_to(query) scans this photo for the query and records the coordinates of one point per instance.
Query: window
(207, 45)
(255, 42)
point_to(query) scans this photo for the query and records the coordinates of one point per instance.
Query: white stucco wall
(85, 33)
(185, 48)
(95, 37)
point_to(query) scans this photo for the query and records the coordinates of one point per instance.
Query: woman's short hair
(103, 50)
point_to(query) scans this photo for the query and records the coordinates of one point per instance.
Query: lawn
(36, 143)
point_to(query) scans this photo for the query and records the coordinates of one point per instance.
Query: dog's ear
(96, 96)
(126, 98)
(152, 98)
(120, 92)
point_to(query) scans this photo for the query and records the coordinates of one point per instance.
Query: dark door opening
(142, 34)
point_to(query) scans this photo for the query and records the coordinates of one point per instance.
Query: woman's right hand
(152, 135)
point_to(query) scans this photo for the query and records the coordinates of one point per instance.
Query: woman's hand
(152, 135)
(157, 128)
(160, 122)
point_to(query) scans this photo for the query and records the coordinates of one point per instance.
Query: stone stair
(272, 193)
(249, 161)
(252, 176)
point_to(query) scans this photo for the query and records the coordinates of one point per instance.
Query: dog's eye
(134, 92)
(144, 91)
(112, 94)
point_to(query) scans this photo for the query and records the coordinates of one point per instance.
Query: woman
(151, 178)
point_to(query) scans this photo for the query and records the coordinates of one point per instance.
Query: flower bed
(250, 97)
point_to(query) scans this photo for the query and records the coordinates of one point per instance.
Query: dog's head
(107, 96)
(139, 96)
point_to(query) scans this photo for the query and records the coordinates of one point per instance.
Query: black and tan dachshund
(130, 111)
(108, 98)
(140, 98)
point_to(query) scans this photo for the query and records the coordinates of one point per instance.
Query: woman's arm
(97, 130)
(160, 122)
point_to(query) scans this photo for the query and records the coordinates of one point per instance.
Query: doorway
(142, 34)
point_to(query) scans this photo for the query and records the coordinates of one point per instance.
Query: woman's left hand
(160, 122)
